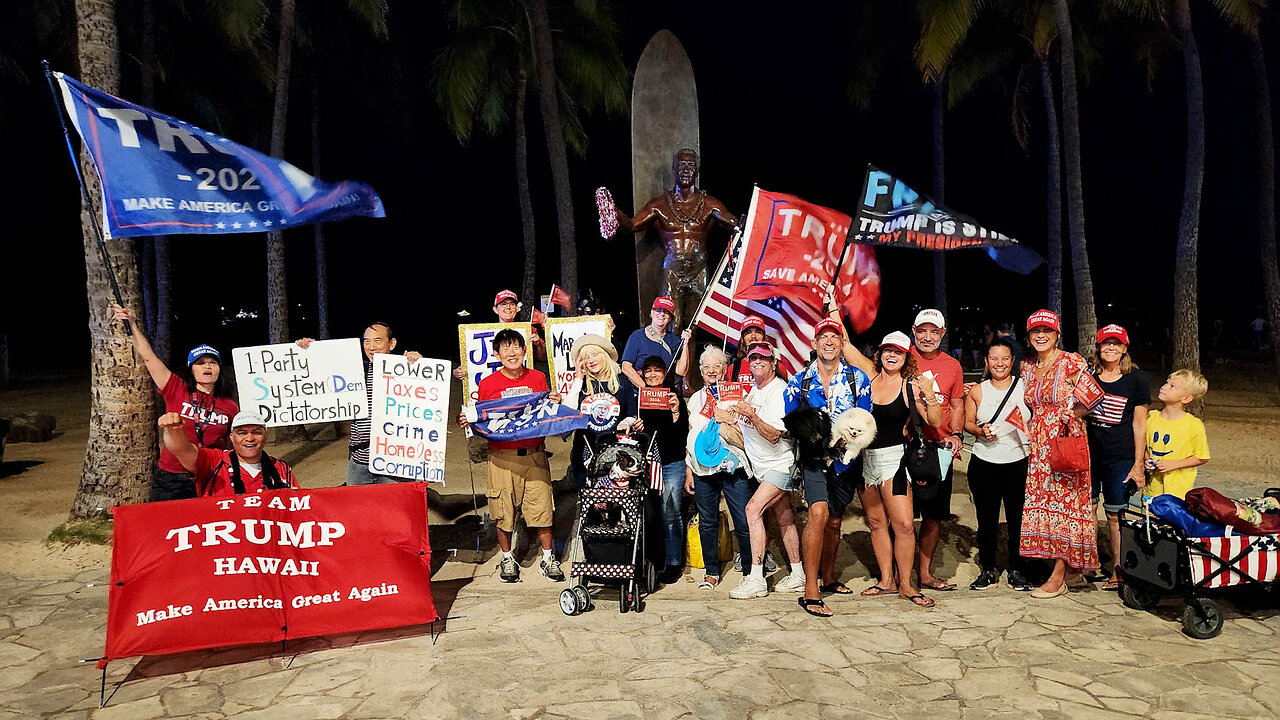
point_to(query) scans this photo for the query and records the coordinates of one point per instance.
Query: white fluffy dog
(857, 429)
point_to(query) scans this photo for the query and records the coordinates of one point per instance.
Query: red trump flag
(791, 251)
(265, 567)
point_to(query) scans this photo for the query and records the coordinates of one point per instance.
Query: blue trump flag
(523, 417)
(163, 176)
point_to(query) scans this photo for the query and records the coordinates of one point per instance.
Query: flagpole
(848, 242)
(84, 194)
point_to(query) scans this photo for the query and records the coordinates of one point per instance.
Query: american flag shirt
(1111, 420)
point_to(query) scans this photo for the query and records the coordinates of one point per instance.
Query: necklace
(691, 217)
(1048, 362)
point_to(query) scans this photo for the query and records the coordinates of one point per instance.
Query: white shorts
(879, 465)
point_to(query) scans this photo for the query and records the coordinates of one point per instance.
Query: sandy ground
(38, 480)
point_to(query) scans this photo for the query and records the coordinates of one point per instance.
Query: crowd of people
(1053, 436)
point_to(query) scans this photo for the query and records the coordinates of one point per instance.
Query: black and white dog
(818, 437)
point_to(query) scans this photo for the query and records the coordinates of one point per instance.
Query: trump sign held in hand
(562, 333)
(161, 175)
(289, 385)
(409, 423)
(475, 347)
(265, 567)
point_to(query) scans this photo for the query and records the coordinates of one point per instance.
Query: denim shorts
(1108, 481)
(778, 479)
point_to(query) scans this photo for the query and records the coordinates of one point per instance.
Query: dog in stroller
(610, 542)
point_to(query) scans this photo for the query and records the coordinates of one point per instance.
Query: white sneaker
(750, 587)
(791, 583)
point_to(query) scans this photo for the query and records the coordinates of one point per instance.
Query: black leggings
(991, 483)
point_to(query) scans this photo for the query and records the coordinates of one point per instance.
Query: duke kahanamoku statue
(682, 216)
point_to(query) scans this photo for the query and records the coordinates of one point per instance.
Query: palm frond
(243, 21)
(373, 13)
(944, 25)
(1245, 15)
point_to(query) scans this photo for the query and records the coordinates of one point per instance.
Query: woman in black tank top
(895, 384)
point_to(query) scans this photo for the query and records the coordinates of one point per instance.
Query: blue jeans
(672, 521)
(358, 474)
(737, 491)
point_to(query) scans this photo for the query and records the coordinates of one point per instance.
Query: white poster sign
(475, 347)
(287, 385)
(410, 418)
(562, 333)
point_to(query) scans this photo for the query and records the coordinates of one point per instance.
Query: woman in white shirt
(769, 460)
(993, 412)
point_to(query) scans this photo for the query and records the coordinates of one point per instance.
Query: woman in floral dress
(1057, 520)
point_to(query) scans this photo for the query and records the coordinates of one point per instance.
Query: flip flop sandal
(1113, 585)
(708, 583)
(837, 587)
(918, 600)
(808, 606)
(875, 590)
(939, 585)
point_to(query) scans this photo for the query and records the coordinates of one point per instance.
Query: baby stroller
(1160, 559)
(612, 515)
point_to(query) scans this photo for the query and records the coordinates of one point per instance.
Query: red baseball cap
(1044, 318)
(754, 321)
(1112, 332)
(662, 302)
(827, 325)
(504, 296)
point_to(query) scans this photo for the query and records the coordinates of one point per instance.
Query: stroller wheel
(1138, 595)
(582, 598)
(624, 599)
(568, 602)
(1202, 619)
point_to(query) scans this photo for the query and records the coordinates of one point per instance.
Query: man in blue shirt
(828, 382)
(655, 338)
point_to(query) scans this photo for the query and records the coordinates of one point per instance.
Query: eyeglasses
(715, 366)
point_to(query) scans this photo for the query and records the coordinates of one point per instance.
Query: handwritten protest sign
(288, 385)
(410, 417)
(562, 333)
(475, 348)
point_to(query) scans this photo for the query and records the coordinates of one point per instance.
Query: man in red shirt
(245, 468)
(948, 378)
(519, 473)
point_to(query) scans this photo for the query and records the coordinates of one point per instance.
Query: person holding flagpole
(204, 397)
(506, 305)
(655, 339)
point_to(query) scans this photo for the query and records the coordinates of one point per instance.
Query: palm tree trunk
(546, 64)
(1086, 315)
(322, 260)
(122, 446)
(157, 288)
(528, 293)
(939, 190)
(1266, 190)
(1053, 232)
(1186, 315)
(277, 294)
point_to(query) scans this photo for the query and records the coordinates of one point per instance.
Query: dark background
(772, 95)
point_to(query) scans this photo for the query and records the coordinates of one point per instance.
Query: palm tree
(1086, 314)
(482, 78)
(277, 290)
(1186, 313)
(1246, 15)
(545, 64)
(157, 288)
(121, 451)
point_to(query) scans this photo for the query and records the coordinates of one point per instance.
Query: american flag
(655, 465)
(790, 324)
(1253, 558)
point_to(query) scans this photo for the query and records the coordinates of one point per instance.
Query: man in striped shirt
(378, 339)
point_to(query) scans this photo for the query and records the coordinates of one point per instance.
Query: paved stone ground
(508, 652)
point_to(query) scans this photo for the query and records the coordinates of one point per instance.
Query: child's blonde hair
(1193, 381)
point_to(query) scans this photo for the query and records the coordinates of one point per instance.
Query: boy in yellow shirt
(1176, 441)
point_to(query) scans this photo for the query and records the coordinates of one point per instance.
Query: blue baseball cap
(200, 351)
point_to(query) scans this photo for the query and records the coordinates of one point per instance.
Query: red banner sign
(655, 399)
(265, 567)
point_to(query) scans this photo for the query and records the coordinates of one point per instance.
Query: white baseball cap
(897, 339)
(244, 417)
(930, 316)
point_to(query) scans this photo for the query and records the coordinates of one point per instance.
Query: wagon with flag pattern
(1158, 559)
(610, 543)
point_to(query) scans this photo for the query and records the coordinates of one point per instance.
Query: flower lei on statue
(608, 213)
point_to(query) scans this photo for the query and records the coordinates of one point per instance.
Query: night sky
(771, 91)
